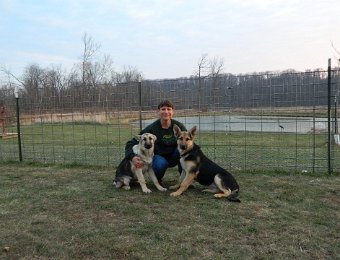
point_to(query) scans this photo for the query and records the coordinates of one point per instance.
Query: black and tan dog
(196, 166)
(126, 171)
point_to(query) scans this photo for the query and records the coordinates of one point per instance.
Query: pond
(251, 123)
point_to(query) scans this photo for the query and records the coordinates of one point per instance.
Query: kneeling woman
(166, 153)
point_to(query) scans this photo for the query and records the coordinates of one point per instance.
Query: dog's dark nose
(183, 147)
(147, 146)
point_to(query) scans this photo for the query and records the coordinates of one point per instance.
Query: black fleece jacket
(166, 142)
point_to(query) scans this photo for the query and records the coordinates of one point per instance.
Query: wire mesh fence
(277, 121)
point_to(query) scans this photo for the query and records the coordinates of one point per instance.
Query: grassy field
(53, 212)
(103, 145)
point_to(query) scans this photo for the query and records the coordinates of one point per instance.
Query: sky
(167, 38)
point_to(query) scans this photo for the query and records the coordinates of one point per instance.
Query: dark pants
(160, 164)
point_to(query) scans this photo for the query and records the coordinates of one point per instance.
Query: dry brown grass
(75, 213)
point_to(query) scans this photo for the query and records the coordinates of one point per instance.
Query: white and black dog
(126, 170)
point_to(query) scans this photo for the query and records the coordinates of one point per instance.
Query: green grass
(53, 212)
(103, 145)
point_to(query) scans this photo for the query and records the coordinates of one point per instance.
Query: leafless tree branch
(11, 75)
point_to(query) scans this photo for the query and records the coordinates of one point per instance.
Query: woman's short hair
(166, 103)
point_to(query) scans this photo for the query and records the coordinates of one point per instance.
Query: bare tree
(55, 84)
(208, 67)
(216, 92)
(11, 76)
(107, 71)
(337, 54)
(203, 65)
(216, 66)
(90, 49)
(34, 85)
(129, 74)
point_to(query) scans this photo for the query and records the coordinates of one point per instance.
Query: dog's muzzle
(183, 147)
(147, 146)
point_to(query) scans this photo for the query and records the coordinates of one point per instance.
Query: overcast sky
(166, 38)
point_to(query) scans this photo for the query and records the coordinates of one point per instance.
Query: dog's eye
(180, 138)
(187, 139)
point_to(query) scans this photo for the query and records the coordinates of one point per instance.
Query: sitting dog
(126, 171)
(196, 166)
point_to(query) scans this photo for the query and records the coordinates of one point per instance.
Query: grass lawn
(75, 213)
(103, 145)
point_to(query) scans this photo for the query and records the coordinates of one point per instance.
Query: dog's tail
(234, 196)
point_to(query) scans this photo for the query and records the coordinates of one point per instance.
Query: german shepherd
(126, 171)
(196, 166)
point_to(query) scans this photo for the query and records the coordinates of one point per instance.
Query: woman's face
(165, 113)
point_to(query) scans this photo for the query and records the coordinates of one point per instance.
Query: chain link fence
(275, 121)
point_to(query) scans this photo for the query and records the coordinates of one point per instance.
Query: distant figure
(3, 119)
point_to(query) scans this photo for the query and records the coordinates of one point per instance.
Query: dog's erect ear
(193, 131)
(177, 130)
(138, 137)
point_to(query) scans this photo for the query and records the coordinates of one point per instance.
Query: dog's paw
(126, 187)
(162, 189)
(219, 195)
(147, 191)
(175, 194)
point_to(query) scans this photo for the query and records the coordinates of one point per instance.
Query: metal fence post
(329, 118)
(16, 93)
(335, 116)
(140, 104)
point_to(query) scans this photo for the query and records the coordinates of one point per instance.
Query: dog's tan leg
(141, 180)
(211, 190)
(223, 191)
(178, 184)
(189, 178)
(155, 181)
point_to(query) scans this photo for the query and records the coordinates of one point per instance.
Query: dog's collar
(195, 147)
(186, 153)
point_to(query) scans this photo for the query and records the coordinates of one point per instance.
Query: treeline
(282, 89)
(51, 90)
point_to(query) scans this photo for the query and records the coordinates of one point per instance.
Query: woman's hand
(137, 162)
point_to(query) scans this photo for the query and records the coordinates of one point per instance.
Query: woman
(166, 154)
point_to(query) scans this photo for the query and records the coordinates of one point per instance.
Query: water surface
(251, 123)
